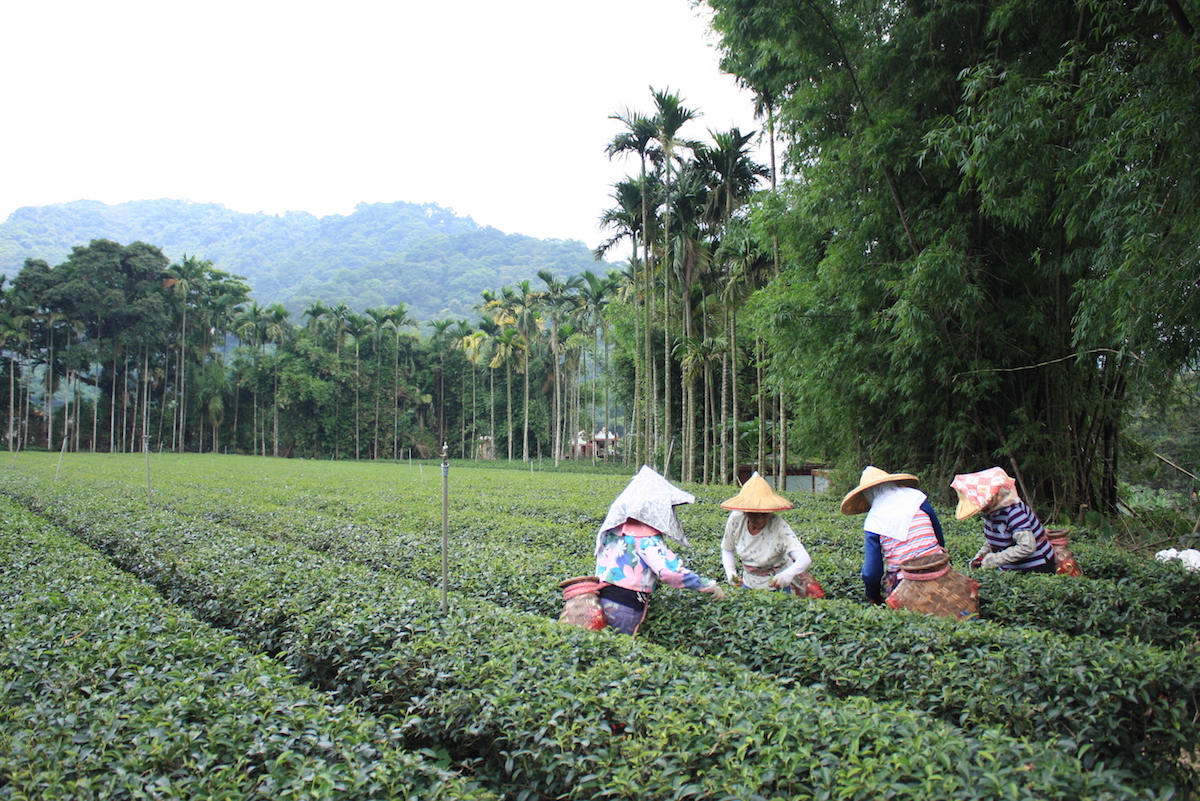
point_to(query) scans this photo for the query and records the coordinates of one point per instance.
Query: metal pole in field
(146, 448)
(445, 525)
(66, 438)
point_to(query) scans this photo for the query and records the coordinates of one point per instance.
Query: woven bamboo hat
(757, 496)
(855, 502)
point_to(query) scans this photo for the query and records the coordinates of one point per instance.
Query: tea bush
(546, 526)
(1121, 703)
(107, 692)
(553, 711)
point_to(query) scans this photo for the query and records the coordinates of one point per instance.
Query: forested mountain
(381, 254)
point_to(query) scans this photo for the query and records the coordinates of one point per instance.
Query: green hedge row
(554, 711)
(1125, 703)
(373, 512)
(108, 692)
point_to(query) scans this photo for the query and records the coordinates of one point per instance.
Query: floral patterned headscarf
(650, 499)
(985, 491)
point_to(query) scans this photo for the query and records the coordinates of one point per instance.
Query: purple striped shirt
(1000, 526)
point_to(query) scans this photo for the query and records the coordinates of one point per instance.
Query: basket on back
(581, 603)
(1067, 566)
(928, 584)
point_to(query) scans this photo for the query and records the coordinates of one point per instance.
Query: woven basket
(1067, 566)
(581, 603)
(928, 584)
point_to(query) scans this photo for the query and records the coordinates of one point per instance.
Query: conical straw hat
(855, 503)
(757, 496)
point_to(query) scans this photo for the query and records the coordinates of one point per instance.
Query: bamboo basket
(928, 584)
(581, 603)
(1067, 566)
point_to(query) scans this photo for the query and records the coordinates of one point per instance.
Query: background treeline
(117, 349)
(381, 254)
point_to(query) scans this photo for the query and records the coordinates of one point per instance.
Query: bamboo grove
(986, 226)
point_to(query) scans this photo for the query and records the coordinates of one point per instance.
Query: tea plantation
(237, 627)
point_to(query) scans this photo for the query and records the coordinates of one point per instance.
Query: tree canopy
(988, 226)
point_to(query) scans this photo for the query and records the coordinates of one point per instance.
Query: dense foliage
(978, 249)
(988, 228)
(110, 692)
(116, 350)
(331, 568)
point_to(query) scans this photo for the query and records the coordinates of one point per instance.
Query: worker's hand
(785, 578)
(992, 560)
(715, 591)
(978, 560)
(734, 579)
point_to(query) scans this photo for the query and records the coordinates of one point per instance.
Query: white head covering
(892, 510)
(651, 499)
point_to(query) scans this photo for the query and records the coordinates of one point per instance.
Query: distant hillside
(381, 254)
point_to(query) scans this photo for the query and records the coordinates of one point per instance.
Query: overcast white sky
(498, 110)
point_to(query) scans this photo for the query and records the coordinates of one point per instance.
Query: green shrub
(107, 692)
(554, 711)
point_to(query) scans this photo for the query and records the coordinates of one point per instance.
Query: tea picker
(1014, 538)
(772, 556)
(632, 551)
(900, 525)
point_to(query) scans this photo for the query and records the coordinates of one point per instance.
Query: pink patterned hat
(986, 490)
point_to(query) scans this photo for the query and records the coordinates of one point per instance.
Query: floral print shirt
(635, 556)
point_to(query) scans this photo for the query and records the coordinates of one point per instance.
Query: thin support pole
(146, 448)
(445, 526)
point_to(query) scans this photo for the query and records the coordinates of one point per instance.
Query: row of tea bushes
(1124, 702)
(374, 513)
(108, 692)
(550, 710)
(1155, 603)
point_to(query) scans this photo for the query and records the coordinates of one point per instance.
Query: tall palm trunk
(48, 401)
(181, 380)
(651, 405)
(688, 391)
(357, 416)
(735, 428)
(525, 450)
(396, 401)
(12, 389)
(762, 406)
(667, 433)
(112, 408)
(146, 396)
(723, 426)
(508, 379)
